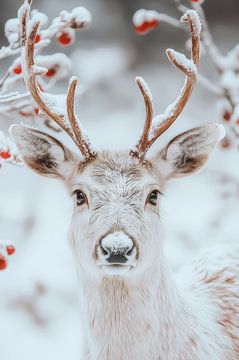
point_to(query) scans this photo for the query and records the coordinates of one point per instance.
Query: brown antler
(154, 127)
(66, 120)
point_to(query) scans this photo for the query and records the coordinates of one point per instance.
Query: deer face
(115, 227)
(116, 213)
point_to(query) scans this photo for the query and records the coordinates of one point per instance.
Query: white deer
(133, 308)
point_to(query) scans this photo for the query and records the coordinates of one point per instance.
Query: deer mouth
(116, 269)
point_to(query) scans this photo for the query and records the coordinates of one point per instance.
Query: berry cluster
(13, 94)
(8, 151)
(6, 250)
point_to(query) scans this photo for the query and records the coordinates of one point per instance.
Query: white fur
(141, 311)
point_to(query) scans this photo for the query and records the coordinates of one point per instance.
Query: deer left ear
(43, 153)
(188, 152)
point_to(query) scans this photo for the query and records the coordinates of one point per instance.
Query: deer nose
(116, 247)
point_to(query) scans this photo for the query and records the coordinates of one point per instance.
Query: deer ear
(189, 151)
(42, 153)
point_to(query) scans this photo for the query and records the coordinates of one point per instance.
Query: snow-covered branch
(8, 151)
(14, 96)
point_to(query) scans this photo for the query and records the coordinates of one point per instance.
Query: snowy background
(39, 300)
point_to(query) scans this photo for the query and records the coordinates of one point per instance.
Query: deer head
(115, 226)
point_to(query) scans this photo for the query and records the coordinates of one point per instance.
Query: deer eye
(153, 197)
(81, 198)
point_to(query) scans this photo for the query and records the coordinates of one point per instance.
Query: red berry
(10, 249)
(143, 28)
(3, 263)
(64, 39)
(36, 110)
(17, 69)
(24, 113)
(37, 38)
(51, 72)
(146, 26)
(5, 154)
(153, 23)
(227, 115)
(225, 143)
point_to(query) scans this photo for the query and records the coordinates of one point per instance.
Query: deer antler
(156, 126)
(66, 120)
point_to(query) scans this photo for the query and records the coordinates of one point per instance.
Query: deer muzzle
(116, 251)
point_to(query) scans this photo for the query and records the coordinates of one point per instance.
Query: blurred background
(38, 292)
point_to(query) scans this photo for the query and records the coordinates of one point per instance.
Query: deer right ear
(42, 153)
(188, 152)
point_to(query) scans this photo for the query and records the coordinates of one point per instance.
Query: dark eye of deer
(153, 197)
(81, 198)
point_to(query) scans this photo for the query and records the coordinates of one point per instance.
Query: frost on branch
(15, 99)
(147, 20)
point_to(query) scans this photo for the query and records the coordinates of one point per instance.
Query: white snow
(187, 64)
(81, 16)
(54, 103)
(39, 70)
(195, 18)
(22, 10)
(57, 61)
(39, 16)
(145, 87)
(142, 15)
(222, 132)
(12, 30)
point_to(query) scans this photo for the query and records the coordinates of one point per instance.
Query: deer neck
(143, 318)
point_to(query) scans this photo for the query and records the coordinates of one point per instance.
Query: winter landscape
(106, 44)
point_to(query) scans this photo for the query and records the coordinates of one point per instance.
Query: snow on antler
(13, 93)
(65, 117)
(155, 126)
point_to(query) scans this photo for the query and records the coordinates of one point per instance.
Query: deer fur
(146, 312)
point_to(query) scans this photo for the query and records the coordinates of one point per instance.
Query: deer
(132, 305)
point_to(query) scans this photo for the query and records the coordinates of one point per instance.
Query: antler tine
(31, 81)
(148, 101)
(83, 142)
(189, 67)
(30, 73)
